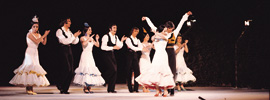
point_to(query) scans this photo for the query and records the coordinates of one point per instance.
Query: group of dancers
(166, 71)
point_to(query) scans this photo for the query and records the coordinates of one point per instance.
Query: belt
(170, 47)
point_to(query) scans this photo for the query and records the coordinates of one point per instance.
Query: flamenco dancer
(111, 42)
(66, 39)
(145, 62)
(134, 45)
(87, 74)
(171, 42)
(31, 73)
(184, 74)
(160, 75)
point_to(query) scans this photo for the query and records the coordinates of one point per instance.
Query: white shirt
(136, 42)
(105, 39)
(176, 31)
(70, 37)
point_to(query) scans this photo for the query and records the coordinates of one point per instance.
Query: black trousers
(132, 66)
(66, 73)
(110, 73)
(172, 64)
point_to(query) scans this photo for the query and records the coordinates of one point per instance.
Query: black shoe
(64, 92)
(112, 92)
(171, 94)
(91, 92)
(131, 91)
(137, 91)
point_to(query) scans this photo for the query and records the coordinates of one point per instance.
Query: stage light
(247, 22)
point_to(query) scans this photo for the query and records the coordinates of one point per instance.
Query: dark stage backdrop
(211, 38)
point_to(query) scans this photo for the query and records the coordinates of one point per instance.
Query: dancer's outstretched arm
(149, 22)
(182, 21)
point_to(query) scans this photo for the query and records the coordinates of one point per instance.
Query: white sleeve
(132, 47)
(119, 43)
(104, 44)
(152, 26)
(179, 26)
(140, 46)
(175, 47)
(76, 40)
(62, 39)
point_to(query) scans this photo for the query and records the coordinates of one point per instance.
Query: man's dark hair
(111, 25)
(169, 24)
(64, 21)
(132, 29)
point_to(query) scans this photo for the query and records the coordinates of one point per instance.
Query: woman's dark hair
(63, 21)
(181, 37)
(169, 24)
(32, 23)
(132, 29)
(160, 28)
(85, 29)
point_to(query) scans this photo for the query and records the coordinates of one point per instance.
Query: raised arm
(185, 46)
(182, 21)
(149, 22)
(44, 42)
(96, 43)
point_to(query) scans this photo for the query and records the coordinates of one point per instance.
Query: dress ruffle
(185, 76)
(88, 79)
(30, 79)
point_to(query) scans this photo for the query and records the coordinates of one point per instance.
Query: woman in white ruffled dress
(159, 76)
(87, 74)
(31, 73)
(145, 62)
(183, 73)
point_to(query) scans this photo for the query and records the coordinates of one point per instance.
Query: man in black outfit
(134, 45)
(111, 42)
(66, 39)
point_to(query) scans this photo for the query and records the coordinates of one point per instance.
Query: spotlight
(247, 22)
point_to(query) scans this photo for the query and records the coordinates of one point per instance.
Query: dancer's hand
(91, 38)
(47, 32)
(189, 13)
(144, 18)
(77, 33)
(116, 47)
(97, 37)
(123, 38)
(186, 41)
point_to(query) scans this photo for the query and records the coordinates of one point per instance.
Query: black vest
(132, 44)
(109, 43)
(63, 32)
(171, 40)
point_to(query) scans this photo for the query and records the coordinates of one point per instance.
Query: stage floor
(76, 93)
